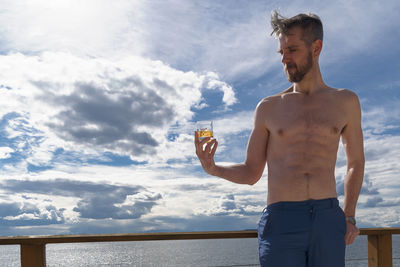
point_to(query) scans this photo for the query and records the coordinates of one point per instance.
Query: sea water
(210, 253)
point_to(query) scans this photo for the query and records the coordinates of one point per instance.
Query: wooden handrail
(33, 248)
(125, 237)
(380, 231)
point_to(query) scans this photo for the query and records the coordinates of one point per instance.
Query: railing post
(380, 250)
(33, 255)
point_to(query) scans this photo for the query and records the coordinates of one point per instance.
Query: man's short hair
(311, 25)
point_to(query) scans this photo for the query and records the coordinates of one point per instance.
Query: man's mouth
(290, 66)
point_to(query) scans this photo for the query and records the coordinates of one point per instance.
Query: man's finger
(351, 236)
(205, 140)
(200, 142)
(351, 239)
(209, 145)
(214, 147)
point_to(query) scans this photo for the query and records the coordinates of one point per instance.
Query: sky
(99, 99)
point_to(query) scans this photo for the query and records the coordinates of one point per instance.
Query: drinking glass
(204, 129)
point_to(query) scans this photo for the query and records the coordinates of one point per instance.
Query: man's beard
(300, 72)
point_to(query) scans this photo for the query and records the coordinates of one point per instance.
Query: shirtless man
(297, 133)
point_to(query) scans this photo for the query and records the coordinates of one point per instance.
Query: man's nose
(285, 58)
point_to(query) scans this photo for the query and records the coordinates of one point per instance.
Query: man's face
(296, 55)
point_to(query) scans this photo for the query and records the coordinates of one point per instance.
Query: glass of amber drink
(204, 129)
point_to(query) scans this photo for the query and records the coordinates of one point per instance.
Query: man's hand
(351, 233)
(205, 152)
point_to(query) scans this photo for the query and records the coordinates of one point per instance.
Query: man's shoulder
(342, 92)
(270, 100)
(341, 95)
(346, 98)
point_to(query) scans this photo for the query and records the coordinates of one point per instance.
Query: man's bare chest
(313, 118)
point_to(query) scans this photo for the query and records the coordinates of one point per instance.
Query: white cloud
(381, 185)
(382, 162)
(233, 39)
(5, 152)
(97, 105)
(229, 39)
(160, 195)
(231, 131)
(234, 124)
(205, 37)
(213, 83)
(82, 27)
(382, 118)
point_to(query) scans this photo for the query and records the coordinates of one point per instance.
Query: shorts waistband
(306, 204)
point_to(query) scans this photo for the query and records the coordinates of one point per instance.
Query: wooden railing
(33, 248)
(380, 246)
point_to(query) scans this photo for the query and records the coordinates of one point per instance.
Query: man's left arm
(353, 144)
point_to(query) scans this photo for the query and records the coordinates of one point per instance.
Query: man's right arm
(248, 172)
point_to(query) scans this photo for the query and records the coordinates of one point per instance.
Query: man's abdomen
(299, 185)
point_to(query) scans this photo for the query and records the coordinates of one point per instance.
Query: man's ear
(316, 47)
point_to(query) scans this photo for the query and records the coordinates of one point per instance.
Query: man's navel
(334, 130)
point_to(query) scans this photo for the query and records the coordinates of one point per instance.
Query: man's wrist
(351, 219)
(215, 171)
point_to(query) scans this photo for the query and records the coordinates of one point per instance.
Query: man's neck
(311, 83)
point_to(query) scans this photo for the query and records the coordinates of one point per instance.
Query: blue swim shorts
(302, 234)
